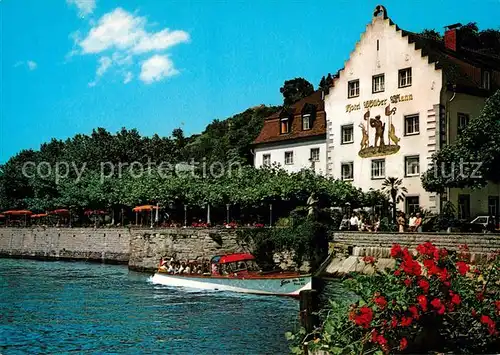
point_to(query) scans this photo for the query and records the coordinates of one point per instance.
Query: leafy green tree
(295, 89)
(473, 159)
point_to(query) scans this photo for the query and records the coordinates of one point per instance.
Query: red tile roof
(270, 132)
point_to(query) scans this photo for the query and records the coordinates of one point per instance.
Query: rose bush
(433, 301)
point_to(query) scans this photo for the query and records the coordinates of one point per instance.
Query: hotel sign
(394, 99)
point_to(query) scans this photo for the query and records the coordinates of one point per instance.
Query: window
(412, 125)
(347, 134)
(314, 154)
(378, 83)
(266, 160)
(404, 77)
(306, 122)
(285, 125)
(463, 206)
(412, 166)
(412, 204)
(493, 204)
(486, 80)
(288, 158)
(347, 171)
(353, 88)
(378, 169)
(463, 121)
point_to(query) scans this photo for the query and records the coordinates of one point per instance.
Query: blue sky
(68, 66)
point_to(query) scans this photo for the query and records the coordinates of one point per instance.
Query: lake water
(75, 307)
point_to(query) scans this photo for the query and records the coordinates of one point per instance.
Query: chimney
(450, 36)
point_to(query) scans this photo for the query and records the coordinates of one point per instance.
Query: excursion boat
(237, 273)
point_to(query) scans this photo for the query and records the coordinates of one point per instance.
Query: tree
(469, 36)
(393, 189)
(295, 89)
(473, 159)
(431, 34)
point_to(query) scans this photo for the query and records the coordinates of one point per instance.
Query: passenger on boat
(215, 270)
(187, 269)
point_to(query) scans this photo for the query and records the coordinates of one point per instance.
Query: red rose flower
(462, 267)
(444, 275)
(441, 310)
(394, 322)
(428, 249)
(455, 299)
(369, 260)
(473, 312)
(489, 323)
(403, 344)
(424, 285)
(381, 340)
(414, 311)
(422, 301)
(407, 282)
(397, 272)
(396, 250)
(432, 268)
(497, 305)
(436, 303)
(364, 317)
(374, 336)
(406, 321)
(381, 302)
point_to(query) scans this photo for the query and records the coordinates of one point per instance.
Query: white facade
(382, 50)
(300, 153)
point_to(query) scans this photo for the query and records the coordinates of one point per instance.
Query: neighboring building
(399, 99)
(294, 137)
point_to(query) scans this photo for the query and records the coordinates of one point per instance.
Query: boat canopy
(18, 213)
(231, 258)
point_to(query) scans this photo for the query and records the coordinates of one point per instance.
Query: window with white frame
(314, 154)
(378, 168)
(412, 165)
(404, 77)
(463, 121)
(411, 125)
(284, 125)
(288, 158)
(353, 88)
(266, 160)
(347, 170)
(306, 122)
(347, 134)
(378, 83)
(486, 80)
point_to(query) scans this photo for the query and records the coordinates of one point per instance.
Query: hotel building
(400, 98)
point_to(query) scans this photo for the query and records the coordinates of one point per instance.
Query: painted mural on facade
(379, 134)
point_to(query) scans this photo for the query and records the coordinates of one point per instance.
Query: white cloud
(121, 30)
(156, 68)
(31, 65)
(128, 78)
(104, 64)
(85, 7)
(124, 37)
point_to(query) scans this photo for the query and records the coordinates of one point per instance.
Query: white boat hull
(287, 286)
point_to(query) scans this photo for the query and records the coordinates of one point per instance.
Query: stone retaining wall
(147, 247)
(106, 245)
(357, 245)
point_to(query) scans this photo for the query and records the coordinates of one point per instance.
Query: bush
(434, 301)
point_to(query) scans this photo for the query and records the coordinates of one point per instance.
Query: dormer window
(486, 80)
(284, 125)
(306, 122)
